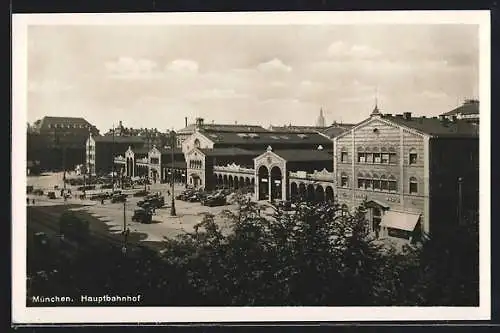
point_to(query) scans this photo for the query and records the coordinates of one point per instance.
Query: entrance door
(376, 219)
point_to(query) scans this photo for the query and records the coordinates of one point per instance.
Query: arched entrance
(302, 191)
(329, 193)
(320, 194)
(195, 180)
(242, 182)
(154, 175)
(231, 182)
(225, 181)
(263, 183)
(294, 191)
(310, 192)
(276, 182)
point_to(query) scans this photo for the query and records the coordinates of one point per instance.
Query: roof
(64, 120)
(141, 150)
(469, 107)
(334, 131)
(229, 152)
(223, 128)
(297, 155)
(437, 127)
(267, 138)
(295, 129)
(119, 139)
(168, 151)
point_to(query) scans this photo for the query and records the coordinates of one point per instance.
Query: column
(270, 186)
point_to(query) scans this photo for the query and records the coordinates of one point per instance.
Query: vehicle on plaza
(99, 196)
(216, 200)
(152, 201)
(118, 197)
(285, 205)
(86, 188)
(141, 193)
(106, 186)
(187, 193)
(29, 189)
(51, 195)
(142, 215)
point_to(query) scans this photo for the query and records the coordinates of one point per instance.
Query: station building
(416, 174)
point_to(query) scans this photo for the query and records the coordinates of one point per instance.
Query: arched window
(361, 155)
(376, 155)
(197, 143)
(343, 155)
(413, 185)
(393, 184)
(376, 182)
(368, 155)
(392, 155)
(412, 156)
(361, 181)
(344, 180)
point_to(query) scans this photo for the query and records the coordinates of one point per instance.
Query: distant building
(320, 122)
(469, 111)
(58, 142)
(102, 150)
(415, 173)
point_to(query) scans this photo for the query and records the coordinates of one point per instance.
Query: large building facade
(54, 143)
(409, 170)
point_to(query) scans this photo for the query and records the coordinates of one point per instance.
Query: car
(213, 201)
(142, 215)
(29, 189)
(51, 195)
(118, 197)
(141, 193)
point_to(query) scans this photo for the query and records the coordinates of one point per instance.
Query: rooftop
(229, 152)
(266, 138)
(119, 139)
(470, 106)
(294, 155)
(223, 128)
(437, 127)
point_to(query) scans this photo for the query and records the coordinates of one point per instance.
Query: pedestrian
(33, 201)
(27, 201)
(102, 201)
(168, 192)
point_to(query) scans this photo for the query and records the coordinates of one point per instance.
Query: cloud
(126, 67)
(216, 94)
(343, 50)
(49, 86)
(183, 65)
(433, 94)
(274, 65)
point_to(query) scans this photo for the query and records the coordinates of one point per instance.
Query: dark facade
(58, 142)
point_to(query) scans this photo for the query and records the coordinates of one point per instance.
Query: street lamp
(172, 182)
(125, 230)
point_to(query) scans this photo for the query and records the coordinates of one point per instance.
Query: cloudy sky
(154, 76)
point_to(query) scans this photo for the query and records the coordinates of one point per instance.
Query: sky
(154, 76)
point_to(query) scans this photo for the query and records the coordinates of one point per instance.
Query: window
(413, 156)
(393, 185)
(376, 158)
(361, 158)
(384, 184)
(377, 184)
(385, 158)
(413, 185)
(361, 181)
(344, 180)
(343, 157)
(369, 157)
(392, 158)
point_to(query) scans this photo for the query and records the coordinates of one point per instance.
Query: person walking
(28, 201)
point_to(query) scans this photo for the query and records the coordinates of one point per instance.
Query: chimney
(186, 121)
(423, 117)
(407, 115)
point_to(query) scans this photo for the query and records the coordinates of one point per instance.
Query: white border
(22, 314)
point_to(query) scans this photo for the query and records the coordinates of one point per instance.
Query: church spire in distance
(321, 119)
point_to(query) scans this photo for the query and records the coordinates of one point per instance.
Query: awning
(400, 220)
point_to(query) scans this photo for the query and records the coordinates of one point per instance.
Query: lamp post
(125, 230)
(172, 182)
